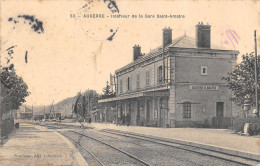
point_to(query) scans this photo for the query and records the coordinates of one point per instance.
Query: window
(204, 70)
(121, 85)
(155, 108)
(138, 80)
(159, 74)
(129, 83)
(147, 76)
(187, 110)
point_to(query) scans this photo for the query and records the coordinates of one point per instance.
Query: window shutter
(157, 75)
(145, 77)
(130, 82)
(149, 77)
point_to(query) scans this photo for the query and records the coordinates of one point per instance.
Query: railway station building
(178, 84)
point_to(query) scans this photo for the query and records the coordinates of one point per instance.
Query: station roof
(160, 93)
(180, 42)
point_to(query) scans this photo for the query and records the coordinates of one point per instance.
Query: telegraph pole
(256, 78)
(88, 101)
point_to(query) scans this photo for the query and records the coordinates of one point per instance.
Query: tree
(76, 105)
(84, 106)
(14, 89)
(242, 80)
(107, 92)
(85, 103)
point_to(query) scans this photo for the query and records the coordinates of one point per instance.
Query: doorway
(219, 114)
(148, 109)
(220, 109)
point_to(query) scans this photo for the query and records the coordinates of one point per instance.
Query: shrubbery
(254, 129)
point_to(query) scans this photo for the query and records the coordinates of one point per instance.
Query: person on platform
(127, 119)
(89, 120)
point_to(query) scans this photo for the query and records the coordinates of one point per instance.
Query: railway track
(153, 141)
(98, 160)
(202, 151)
(78, 144)
(136, 161)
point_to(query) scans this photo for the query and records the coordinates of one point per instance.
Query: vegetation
(85, 103)
(14, 89)
(242, 80)
(108, 92)
(254, 127)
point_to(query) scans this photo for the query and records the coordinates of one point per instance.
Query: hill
(64, 107)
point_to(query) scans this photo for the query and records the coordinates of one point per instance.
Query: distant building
(24, 113)
(178, 84)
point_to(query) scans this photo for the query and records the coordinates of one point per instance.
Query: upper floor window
(159, 74)
(204, 70)
(121, 85)
(129, 83)
(138, 80)
(147, 77)
(187, 110)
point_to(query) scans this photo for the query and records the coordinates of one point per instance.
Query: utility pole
(88, 101)
(256, 79)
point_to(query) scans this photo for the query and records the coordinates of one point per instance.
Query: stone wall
(6, 124)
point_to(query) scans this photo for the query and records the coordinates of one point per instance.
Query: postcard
(123, 82)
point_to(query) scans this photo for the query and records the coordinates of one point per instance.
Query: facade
(24, 113)
(178, 84)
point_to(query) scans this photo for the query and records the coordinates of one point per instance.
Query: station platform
(35, 145)
(223, 140)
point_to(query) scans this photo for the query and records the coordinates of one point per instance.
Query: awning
(122, 97)
(137, 94)
(157, 93)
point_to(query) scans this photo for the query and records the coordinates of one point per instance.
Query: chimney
(202, 35)
(167, 36)
(137, 52)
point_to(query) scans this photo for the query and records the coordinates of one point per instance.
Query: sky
(72, 53)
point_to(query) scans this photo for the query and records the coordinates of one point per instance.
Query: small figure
(89, 120)
(127, 119)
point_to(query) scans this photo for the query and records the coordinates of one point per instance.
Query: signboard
(203, 87)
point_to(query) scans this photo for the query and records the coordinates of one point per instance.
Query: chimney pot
(167, 36)
(136, 52)
(203, 36)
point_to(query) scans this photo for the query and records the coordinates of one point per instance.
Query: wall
(188, 72)
(6, 123)
(204, 106)
(188, 68)
(141, 69)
